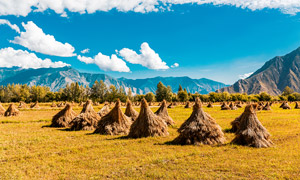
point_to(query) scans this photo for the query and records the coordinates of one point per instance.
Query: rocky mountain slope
(272, 77)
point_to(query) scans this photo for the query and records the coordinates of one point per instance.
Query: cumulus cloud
(148, 57)
(36, 40)
(87, 50)
(244, 76)
(24, 7)
(10, 57)
(175, 65)
(12, 26)
(106, 63)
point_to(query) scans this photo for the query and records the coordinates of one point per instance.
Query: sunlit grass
(30, 151)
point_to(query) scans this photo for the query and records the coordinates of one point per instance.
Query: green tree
(287, 91)
(163, 92)
(182, 96)
(180, 88)
(150, 97)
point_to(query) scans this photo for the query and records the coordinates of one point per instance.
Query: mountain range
(272, 77)
(57, 78)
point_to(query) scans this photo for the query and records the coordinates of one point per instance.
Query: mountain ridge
(272, 77)
(57, 78)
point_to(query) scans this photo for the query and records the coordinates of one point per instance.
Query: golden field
(31, 150)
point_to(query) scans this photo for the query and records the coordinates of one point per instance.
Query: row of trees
(100, 92)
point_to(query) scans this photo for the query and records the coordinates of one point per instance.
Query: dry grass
(28, 151)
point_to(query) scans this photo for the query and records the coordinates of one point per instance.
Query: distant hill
(57, 78)
(272, 77)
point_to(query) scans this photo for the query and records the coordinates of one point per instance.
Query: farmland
(31, 150)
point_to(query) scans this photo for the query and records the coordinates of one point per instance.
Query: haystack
(286, 106)
(267, 107)
(53, 105)
(130, 111)
(163, 113)
(87, 119)
(239, 104)
(170, 105)
(282, 104)
(12, 111)
(210, 105)
(232, 106)
(2, 110)
(104, 110)
(297, 105)
(187, 105)
(224, 106)
(22, 105)
(60, 104)
(63, 117)
(148, 124)
(35, 105)
(115, 122)
(250, 131)
(199, 128)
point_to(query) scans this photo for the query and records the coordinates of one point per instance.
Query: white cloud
(244, 76)
(10, 57)
(87, 50)
(106, 63)
(12, 26)
(148, 58)
(23, 7)
(175, 65)
(36, 40)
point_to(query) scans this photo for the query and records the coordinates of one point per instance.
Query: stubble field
(31, 150)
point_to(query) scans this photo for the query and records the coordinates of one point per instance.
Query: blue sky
(215, 42)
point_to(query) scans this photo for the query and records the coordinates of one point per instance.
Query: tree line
(100, 92)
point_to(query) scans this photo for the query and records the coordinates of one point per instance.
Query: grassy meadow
(31, 150)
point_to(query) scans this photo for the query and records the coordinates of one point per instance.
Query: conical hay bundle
(87, 119)
(286, 106)
(297, 105)
(267, 107)
(53, 104)
(60, 104)
(210, 105)
(35, 105)
(2, 110)
(103, 111)
(199, 128)
(12, 111)
(148, 124)
(63, 117)
(282, 105)
(187, 105)
(170, 105)
(115, 122)
(223, 104)
(232, 106)
(250, 131)
(130, 111)
(22, 105)
(239, 104)
(225, 107)
(163, 113)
